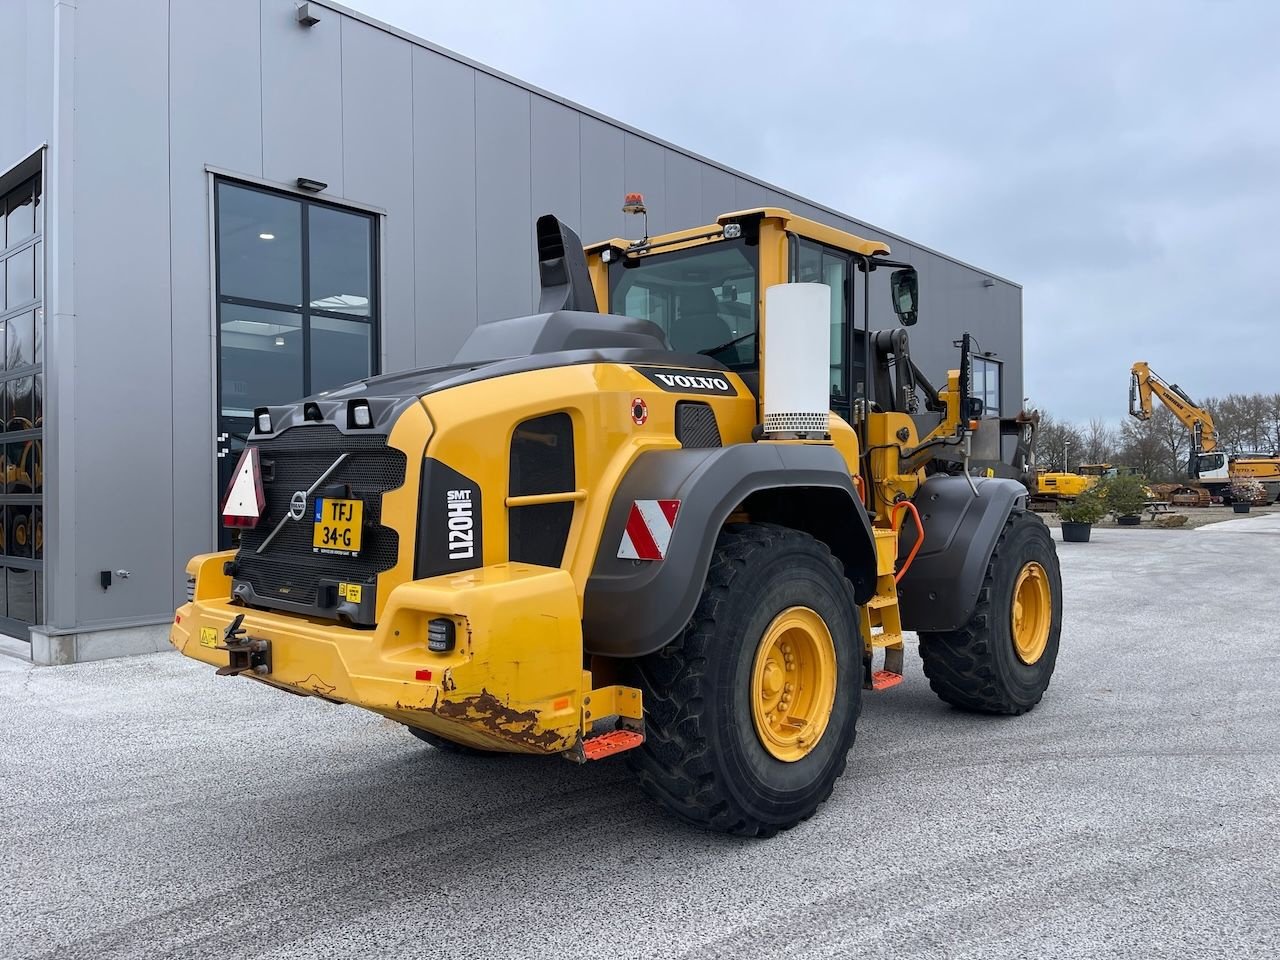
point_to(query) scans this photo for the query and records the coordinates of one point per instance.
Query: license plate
(338, 525)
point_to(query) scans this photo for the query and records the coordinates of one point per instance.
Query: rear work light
(246, 499)
(262, 420)
(441, 635)
(361, 415)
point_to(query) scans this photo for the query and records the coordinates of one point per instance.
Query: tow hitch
(247, 653)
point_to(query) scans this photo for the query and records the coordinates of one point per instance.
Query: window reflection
(339, 352)
(261, 358)
(340, 261)
(259, 245)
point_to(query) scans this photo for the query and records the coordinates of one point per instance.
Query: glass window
(20, 403)
(818, 264)
(21, 277)
(986, 385)
(341, 261)
(261, 357)
(340, 352)
(21, 217)
(20, 341)
(259, 245)
(704, 298)
(21, 408)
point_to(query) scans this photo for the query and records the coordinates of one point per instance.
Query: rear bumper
(513, 682)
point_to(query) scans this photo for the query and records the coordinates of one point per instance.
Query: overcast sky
(1119, 160)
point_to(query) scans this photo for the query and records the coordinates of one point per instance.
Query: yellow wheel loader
(686, 512)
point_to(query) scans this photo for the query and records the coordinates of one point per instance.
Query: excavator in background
(1212, 468)
(1052, 487)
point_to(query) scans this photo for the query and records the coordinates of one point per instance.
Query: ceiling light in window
(266, 236)
(279, 341)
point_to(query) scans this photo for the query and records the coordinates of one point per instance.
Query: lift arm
(1143, 383)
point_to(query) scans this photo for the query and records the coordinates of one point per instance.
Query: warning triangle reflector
(245, 499)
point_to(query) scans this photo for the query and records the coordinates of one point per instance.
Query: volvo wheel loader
(686, 512)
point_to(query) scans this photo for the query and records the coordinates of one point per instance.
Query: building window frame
(305, 310)
(231, 431)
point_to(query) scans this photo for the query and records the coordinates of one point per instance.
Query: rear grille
(288, 572)
(696, 425)
(541, 463)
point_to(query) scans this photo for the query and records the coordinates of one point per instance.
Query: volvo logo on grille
(298, 502)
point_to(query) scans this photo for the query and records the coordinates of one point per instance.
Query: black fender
(940, 589)
(634, 607)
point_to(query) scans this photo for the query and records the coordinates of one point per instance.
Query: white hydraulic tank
(797, 359)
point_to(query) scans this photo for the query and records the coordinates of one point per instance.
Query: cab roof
(788, 221)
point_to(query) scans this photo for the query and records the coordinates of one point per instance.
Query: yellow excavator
(685, 511)
(1211, 467)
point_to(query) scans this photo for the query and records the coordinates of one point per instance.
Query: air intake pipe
(562, 269)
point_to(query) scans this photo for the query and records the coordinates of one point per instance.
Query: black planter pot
(1240, 507)
(1076, 532)
(1128, 521)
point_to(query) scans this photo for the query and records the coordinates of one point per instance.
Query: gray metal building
(205, 206)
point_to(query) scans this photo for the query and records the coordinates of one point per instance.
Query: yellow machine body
(518, 678)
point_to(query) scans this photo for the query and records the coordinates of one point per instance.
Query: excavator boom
(1143, 384)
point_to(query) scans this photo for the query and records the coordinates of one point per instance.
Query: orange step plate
(607, 744)
(883, 680)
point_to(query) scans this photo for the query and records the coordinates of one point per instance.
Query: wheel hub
(793, 683)
(1031, 613)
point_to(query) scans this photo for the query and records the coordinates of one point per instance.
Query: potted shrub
(1079, 515)
(1125, 496)
(1244, 492)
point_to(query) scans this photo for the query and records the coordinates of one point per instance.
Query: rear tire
(711, 696)
(981, 666)
(448, 746)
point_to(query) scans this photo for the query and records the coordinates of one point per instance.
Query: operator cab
(704, 288)
(1210, 466)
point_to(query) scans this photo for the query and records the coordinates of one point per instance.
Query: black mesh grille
(541, 462)
(288, 570)
(696, 425)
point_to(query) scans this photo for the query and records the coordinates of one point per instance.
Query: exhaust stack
(562, 269)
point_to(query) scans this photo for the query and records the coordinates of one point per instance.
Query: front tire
(751, 711)
(1001, 661)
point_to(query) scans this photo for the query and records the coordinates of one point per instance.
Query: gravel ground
(152, 810)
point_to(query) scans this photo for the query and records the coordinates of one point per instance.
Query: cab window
(814, 263)
(704, 298)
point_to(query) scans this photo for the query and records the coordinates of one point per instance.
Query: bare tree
(1099, 442)
(1059, 445)
(1141, 448)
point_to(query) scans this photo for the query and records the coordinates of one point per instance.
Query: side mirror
(904, 287)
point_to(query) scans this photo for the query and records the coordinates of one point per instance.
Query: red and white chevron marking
(648, 532)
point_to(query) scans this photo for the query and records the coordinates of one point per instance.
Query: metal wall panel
(123, 479)
(209, 124)
(504, 235)
(555, 172)
(377, 145)
(26, 77)
(603, 180)
(444, 199)
(301, 97)
(717, 193)
(747, 194)
(644, 169)
(682, 189)
(554, 169)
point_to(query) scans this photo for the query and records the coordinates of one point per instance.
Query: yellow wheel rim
(1032, 613)
(793, 683)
